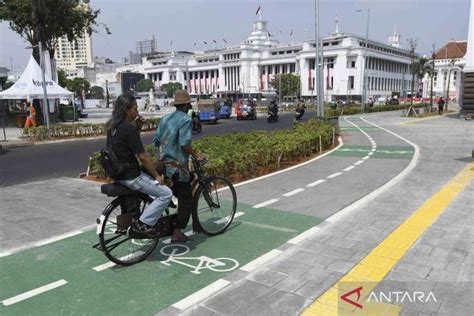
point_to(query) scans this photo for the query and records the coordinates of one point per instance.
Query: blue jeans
(161, 193)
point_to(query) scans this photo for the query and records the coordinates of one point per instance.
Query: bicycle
(215, 203)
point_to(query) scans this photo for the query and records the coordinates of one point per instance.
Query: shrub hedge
(244, 153)
(41, 133)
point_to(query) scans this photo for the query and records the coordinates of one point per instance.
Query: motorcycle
(272, 117)
(299, 112)
(197, 126)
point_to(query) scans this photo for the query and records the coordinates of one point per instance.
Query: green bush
(41, 133)
(245, 153)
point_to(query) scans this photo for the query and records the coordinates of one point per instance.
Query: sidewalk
(304, 275)
(14, 136)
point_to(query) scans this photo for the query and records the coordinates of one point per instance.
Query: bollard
(88, 166)
(333, 136)
(320, 144)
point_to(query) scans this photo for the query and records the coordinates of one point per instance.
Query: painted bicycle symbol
(175, 254)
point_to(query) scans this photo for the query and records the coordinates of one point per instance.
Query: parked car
(245, 110)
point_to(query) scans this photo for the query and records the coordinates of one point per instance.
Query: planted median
(241, 156)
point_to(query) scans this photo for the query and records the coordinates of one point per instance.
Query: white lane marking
(396, 151)
(34, 244)
(334, 175)
(349, 168)
(57, 238)
(5, 254)
(372, 195)
(354, 149)
(303, 235)
(225, 219)
(188, 233)
(270, 227)
(341, 143)
(293, 192)
(366, 157)
(265, 203)
(111, 264)
(358, 162)
(252, 265)
(34, 292)
(315, 183)
(200, 295)
(370, 154)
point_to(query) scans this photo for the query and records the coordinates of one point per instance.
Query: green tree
(96, 92)
(144, 85)
(62, 79)
(170, 88)
(7, 84)
(290, 84)
(49, 20)
(422, 67)
(77, 85)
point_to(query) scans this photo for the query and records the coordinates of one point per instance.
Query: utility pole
(318, 62)
(364, 76)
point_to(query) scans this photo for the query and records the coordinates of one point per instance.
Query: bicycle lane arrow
(147, 287)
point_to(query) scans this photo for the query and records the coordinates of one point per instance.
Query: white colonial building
(251, 66)
(449, 61)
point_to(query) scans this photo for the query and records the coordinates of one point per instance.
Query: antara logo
(393, 297)
(400, 297)
(346, 298)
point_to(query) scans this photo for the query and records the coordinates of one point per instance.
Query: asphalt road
(22, 165)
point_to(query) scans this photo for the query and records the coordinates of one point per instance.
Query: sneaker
(143, 228)
(182, 239)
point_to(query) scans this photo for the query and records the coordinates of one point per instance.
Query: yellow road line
(377, 264)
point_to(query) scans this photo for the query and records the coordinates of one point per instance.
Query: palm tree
(419, 69)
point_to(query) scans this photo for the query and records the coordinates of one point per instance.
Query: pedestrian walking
(440, 105)
(30, 116)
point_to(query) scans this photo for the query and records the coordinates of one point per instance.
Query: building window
(351, 82)
(455, 75)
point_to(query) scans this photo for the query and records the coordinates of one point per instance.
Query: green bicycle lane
(146, 287)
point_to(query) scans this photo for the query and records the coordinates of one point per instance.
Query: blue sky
(189, 21)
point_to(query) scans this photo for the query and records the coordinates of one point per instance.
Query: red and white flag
(258, 10)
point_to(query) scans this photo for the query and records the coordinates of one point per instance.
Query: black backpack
(112, 166)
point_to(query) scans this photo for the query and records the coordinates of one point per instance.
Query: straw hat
(181, 97)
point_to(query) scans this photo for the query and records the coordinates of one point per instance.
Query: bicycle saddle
(115, 189)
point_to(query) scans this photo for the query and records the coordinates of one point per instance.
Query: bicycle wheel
(223, 264)
(117, 241)
(215, 205)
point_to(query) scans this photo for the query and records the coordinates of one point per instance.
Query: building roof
(452, 50)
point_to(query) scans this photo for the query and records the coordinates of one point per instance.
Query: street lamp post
(318, 62)
(364, 83)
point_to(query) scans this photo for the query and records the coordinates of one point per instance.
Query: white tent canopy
(30, 85)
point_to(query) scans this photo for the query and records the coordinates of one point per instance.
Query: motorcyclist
(273, 108)
(300, 109)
